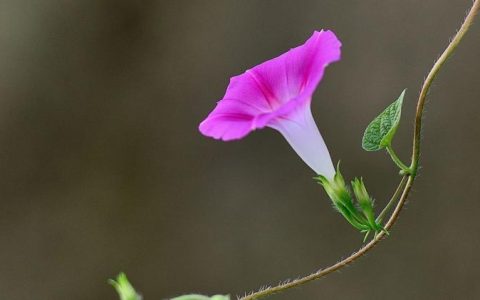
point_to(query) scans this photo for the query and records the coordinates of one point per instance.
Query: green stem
(390, 203)
(344, 262)
(410, 178)
(431, 76)
(398, 161)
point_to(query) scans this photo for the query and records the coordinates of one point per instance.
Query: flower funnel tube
(277, 94)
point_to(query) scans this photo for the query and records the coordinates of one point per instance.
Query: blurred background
(102, 168)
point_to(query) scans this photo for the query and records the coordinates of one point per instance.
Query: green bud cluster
(358, 210)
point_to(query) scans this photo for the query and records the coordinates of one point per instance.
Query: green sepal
(365, 202)
(124, 289)
(359, 213)
(366, 235)
(380, 131)
(341, 198)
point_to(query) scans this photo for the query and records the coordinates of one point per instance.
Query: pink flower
(277, 94)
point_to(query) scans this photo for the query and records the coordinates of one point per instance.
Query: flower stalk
(403, 167)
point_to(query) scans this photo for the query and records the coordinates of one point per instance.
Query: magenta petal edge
(277, 94)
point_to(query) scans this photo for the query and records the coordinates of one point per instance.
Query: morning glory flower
(277, 94)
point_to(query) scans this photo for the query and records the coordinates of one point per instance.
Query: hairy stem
(431, 76)
(410, 177)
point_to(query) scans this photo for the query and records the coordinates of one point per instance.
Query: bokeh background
(102, 168)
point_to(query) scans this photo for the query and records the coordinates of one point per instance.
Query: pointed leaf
(380, 131)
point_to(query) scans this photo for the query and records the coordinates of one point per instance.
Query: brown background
(102, 168)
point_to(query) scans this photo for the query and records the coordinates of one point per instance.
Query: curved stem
(397, 160)
(350, 259)
(431, 76)
(390, 203)
(410, 178)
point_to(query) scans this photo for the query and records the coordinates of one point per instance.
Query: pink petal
(306, 64)
(274, 87)
(301, 132)
(226, 127)
(230, 120)
(277, 94)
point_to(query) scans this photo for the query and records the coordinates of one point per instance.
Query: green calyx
(124, 289)
(358, 210)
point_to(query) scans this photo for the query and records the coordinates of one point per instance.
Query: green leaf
(380, 131)
(124, 289)
(220, 297)
(201, 297)
(191, 297)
